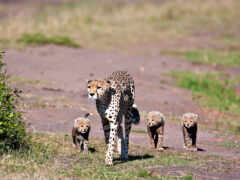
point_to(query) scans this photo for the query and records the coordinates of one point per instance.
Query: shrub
(12, 130)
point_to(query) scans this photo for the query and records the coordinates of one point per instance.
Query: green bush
(12, 130)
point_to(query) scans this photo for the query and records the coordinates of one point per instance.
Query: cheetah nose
(91, 94)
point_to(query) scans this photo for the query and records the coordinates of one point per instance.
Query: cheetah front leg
(106, 129)
(160, 134)
(109, 155)
(120, 143)
(81, 145)
(151, 137)
(112, 114)
(155, 139)
(194, 140)
(187, 139)
(85, 146)
(184, 137)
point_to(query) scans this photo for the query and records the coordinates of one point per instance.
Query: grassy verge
(210, 89)
(213, 91)
(20, 80)
(213, 57)
(42, 39)
(139, 131)
(230, 144)
(109, 24)
(52, 157)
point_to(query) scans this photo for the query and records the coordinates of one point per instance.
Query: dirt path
(60, 94)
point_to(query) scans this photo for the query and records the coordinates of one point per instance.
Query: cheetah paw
(192, 149)
(160, 149)
(85, 152)
(109, 164)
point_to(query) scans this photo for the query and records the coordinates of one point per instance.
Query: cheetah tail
(87, 114)
(134, 106)
(135, 115)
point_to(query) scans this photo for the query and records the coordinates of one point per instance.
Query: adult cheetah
(114, 99)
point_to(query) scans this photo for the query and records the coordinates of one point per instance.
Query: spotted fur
(80, 133)
(155, 128)
(114, 99)
(189, 128)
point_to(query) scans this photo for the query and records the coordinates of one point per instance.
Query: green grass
(210, 90)
(52, 156)
(28, 158)
(215, 92)
(230, 144)
(138, 131)
(21, 80)
(186, 178)
(214, 57)
(42, 39)
(110, 24)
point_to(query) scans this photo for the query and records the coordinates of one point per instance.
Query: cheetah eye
(99, 87)
(89, 87)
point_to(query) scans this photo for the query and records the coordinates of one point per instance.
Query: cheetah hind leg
(128, 125)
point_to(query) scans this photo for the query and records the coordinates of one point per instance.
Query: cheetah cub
(155, 128)
(189, 128)
(80, 133)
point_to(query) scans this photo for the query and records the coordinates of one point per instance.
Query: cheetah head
(82, 125)
(154, 118)
(97, 88)
(190, 119)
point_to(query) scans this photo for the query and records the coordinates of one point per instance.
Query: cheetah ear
(196, 116)
(111, 86)
(75, 123)
(181, 117)
(89, 81)
(109, 83)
